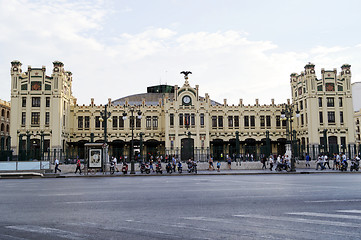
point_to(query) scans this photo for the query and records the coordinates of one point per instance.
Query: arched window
(8, 114)
(2, 127)
(3, 113)
(7, 128)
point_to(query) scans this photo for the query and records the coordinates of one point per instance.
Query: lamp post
(287, 114)
(132, 123)
(104, 116)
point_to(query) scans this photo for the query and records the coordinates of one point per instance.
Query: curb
(199, 174)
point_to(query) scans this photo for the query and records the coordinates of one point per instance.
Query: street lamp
(104, 116)
(132, 122)
(287, 115)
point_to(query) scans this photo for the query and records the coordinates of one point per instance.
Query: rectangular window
(181, 119)
(35, 101)
(23, 104)
(202, 119)
(131, 121)
(236, 121)
(284, 123)
(302, 120)
(47, 101)
(86, 122)
(35, 118)
(341, 117)
(171, 119)
(305, 103)
(148, 122)
(115, 121)
(301, 104)
(97, 122)
(262, 121)
(253, 121)
(63, 120)
(220, 121)
(330, 102)
(320, 117)
(80, 122)
(121, 122)
(278, 121)
(214, 121)
(187, 119)
(138, 122)
(246, 121)
(340, 104)
(23, 118)
(268, 121)
(230, 121)
(155, 122)
(193, 119)
(331, 117)
(47, 118)
(319, 102)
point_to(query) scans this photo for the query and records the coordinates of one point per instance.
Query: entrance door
(187, 150)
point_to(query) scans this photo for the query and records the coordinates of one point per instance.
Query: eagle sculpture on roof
(186, 74)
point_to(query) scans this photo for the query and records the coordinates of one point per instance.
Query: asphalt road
(313, 206)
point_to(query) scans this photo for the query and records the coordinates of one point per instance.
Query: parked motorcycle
(158, 168)
(192, 167)
(144, 168)
(179, 167)
(112, 167)
(344, 166)
(125, 168)
(169, 168)
(355, 165)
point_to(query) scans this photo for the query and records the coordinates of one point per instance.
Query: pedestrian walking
(271, 161)
(326, 161)
(308, 161)
(210, 162)
(78, 166)
(218, 166)
(57, 165)
(319, 163)
(263, 162)
(229, 161)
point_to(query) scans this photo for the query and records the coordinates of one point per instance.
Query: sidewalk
(185, 173)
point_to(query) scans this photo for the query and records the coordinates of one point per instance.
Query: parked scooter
(180, 167)
(192, 167)
(158, 168)
(169, 168)
(344, 165)
(144, 168)
(112, 167)
(355, 164)
(125, 168)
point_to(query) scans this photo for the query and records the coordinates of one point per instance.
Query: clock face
(15, 69)
(56, 69)
(186, 100)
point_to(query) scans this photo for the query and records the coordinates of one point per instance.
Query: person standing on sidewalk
(308, 160)
(271, 161)
(210, 162)
(57, 165)
(229, 161)
(78, 166)
(218, 166)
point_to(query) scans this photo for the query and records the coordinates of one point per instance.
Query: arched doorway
(217, 149)
(281, 146)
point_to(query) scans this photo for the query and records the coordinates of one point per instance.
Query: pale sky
(235, 49)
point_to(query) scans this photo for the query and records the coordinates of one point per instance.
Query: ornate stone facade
(174, 120)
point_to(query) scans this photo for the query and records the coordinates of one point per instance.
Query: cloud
(225, 64)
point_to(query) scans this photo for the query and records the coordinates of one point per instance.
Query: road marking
(327, 215)
(60, 194)
(334, 200)
(12, 237)
(302, 220)
(46, 230)
(349, 211)
(100, 201)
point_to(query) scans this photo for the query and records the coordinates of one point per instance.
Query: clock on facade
(186, 100)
